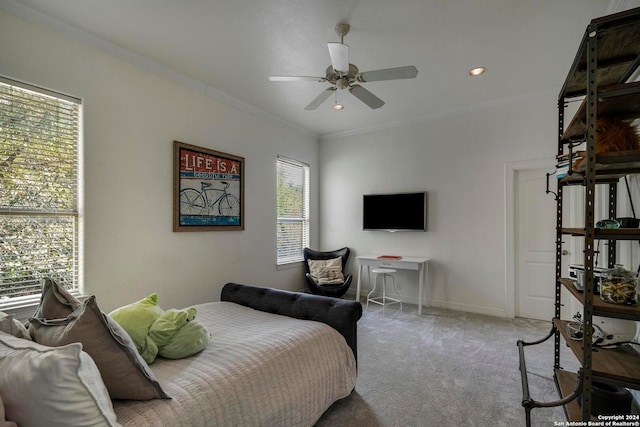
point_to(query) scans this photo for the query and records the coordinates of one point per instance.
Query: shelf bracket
(555, 195)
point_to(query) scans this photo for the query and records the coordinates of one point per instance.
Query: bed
(274, 358)
(263, 365)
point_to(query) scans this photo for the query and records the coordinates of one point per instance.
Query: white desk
(405, 263)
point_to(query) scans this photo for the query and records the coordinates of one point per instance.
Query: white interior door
(534, 245)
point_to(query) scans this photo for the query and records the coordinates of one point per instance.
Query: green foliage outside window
(293, 210)
(39, 138)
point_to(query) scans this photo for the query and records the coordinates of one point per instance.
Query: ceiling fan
(343, 75)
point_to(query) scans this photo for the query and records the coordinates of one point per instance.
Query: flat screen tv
(395, 212)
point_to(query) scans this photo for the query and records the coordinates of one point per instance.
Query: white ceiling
(232, 46)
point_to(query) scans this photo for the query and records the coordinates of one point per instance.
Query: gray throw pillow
(56, 302)
(125, 374)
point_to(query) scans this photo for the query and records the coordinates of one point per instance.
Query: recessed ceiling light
(477, 71)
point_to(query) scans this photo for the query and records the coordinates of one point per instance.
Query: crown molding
(29, 14)
(616, 6)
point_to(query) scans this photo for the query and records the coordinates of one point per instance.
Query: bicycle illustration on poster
(208, 189)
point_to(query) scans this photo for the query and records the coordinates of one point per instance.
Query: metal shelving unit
(608, 57)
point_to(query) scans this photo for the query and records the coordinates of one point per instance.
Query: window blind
(293, 210)
(39, 143)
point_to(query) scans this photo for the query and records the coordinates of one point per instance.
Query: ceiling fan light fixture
(339, 54)
(477, 71)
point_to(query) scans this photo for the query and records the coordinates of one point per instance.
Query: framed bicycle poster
(208, 189)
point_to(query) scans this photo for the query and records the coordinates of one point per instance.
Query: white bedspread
(259, 369)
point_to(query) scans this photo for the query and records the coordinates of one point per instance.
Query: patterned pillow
(326, 271)
(124, 372)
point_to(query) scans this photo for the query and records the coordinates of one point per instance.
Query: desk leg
(358, 290)
(420, 286)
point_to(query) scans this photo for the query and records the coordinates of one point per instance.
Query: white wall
(460, 160)
(131, 117)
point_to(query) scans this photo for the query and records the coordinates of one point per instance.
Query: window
(39, 142)
(293, 210)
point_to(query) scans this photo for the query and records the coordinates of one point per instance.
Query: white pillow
(52, 386)
(13, 326)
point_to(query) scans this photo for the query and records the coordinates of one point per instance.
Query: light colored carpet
(447, 368)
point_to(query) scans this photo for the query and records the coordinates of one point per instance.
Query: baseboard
(469, 308)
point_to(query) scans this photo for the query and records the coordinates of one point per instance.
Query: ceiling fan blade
(408, 72)
(365, 96)
(339, 54)
(297, 79)
(320, 98)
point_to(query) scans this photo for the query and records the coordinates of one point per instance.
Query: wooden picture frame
(208, 189)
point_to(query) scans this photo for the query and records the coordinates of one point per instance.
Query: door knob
(565, 252)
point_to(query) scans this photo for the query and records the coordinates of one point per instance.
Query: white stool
(384, 300)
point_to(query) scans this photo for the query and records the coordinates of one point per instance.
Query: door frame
(511, 169)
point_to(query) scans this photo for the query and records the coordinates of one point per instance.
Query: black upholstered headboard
(340, 314)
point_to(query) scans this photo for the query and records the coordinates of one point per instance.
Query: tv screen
(395, 212)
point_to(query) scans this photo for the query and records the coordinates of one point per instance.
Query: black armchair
(335, 290)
